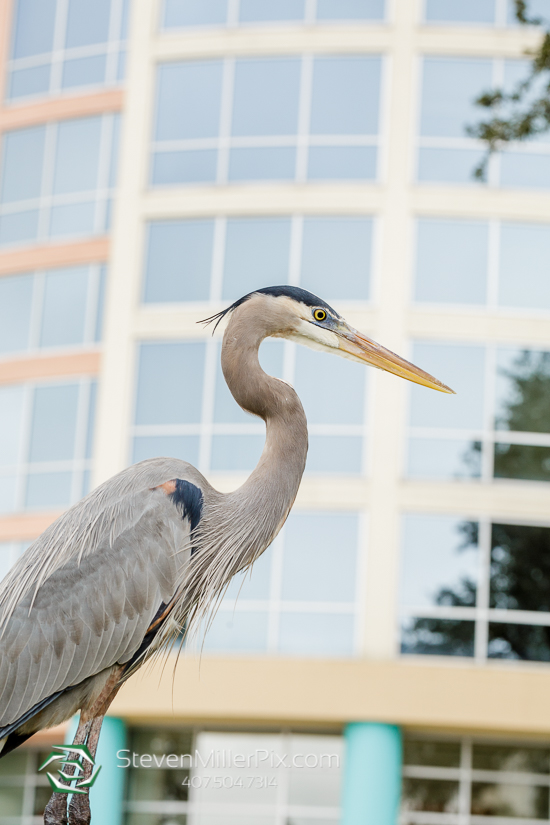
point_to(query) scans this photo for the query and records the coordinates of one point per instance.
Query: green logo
(77, 766)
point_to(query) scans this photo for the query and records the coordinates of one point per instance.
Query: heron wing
(94, 610)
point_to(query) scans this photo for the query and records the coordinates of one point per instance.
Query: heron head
(297, 315)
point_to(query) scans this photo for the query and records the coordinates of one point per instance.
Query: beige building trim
(18, 116)
(6, 11)
(17, 370)
(54, 255)
(25, 526)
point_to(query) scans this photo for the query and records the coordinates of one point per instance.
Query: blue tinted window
(256, 253)
(451, 264)
(87, 23)
(444, 114)
(345, 95)
(22, 164)
(12, 400)
(336, 257)
(77, 157)
(65, 304)
(179, 13)
(523, 275)
(188, 102)
(255, 11)
(345, 403)
(460, 11)
(342, 163)
(266, 97)
(179, 261)
(448, 165)
(170, 380)
(449, 458)
(350, 9)
(16, 294)
(54, 421)
(33, 27)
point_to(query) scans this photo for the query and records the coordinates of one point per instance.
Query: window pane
(46, 490)
(443, 458)
(344, 402)
(460, 11)
(84, 71)
(460, 367)
(520, 567)
(197, 166)
(350, 9)
(320, 785)
(439, 562)
(244, 632)
(188, 100)
(522, 462)
(185, 447)
(437, 795)
(490, 799)
(342, 163)
(19, 227)
(8, 486)
(523, 266)
(266, 96)
(251, 11)
(236, 453)
(179, 261)
(15, 312)
(72, 219)
(535, 8)
(519, 641)
(257, 252)
(437, 637)
(254, 583)
(87, 22)
(22, 164)
(336, 257)
(34, 26)
(316, 634)
(32, 81)
(513, 759)
(11, 424)
(170, 383)
(262, 164)
(311, 541)
(448, 165)
(54, 423)
(447, 115)
(77, 155)
(329, 454)
(451, 263)
(523, 391)
(525, 169)
(430, 752)
(346, 95)
(194, 13)
(64, 308)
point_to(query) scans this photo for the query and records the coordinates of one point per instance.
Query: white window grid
(80, 466)
(309, 19)
(493, 173)
(465, 775)
(295, 254)
(101, 194)
(488, 435)
(493, 266)
(275, 606)
(92, 322)
(281, 812)
(482, 614)
(207, 428)
(302, 140)
(500, 19)
(113, 49)
(31, 781)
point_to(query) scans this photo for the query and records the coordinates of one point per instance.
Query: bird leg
(55, 812)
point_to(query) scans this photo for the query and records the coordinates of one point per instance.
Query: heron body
(115, 579)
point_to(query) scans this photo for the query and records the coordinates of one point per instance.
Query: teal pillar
(107, 793)
(372, 774)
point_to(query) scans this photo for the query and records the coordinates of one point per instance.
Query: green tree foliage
(523, 112)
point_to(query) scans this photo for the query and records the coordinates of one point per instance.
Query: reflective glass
(87, 22)
(185, 447)
(336, 257)
(266, 96)
(274, 163)
(320, 785)
(257, 252)
(15, 312)
(438, 637)
(509, 800)
(64, 307)
(345, 96)
(8, 486)
(245, 632)
(519, 641)
(91, 420)
(22, 164)
(32, 81)
(523, 390)
(350, 9)
(84, 71)
(451, 261)
(12, 400)
(439, 561)
(330, 454)
(520, 567)
(342, 163)
(523, 265)
(236, 453)
(18, 227)
(316, 634)
(443, 458)
(463, 369)
(179, 261)
(54, 422)
(522, 461)
(77, 155)
(170, 382)
(45, 490)
(252, 11)
(510, 758)
(525, 169)
(311, 542)
(460, 11)
(194, 13)
(447, 115)
(535, 8)
(73, 219)
(431, 752)
(196, 166)
(436, 795)
(188, 100)
(331, 390)
(448, 165)
(34, 27)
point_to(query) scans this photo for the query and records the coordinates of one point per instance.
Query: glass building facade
(159, 160)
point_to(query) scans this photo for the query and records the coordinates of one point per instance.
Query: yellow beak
(364, 349)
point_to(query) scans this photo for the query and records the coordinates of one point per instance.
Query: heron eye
(319, 314)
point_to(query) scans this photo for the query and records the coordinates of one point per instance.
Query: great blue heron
(115, 579)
